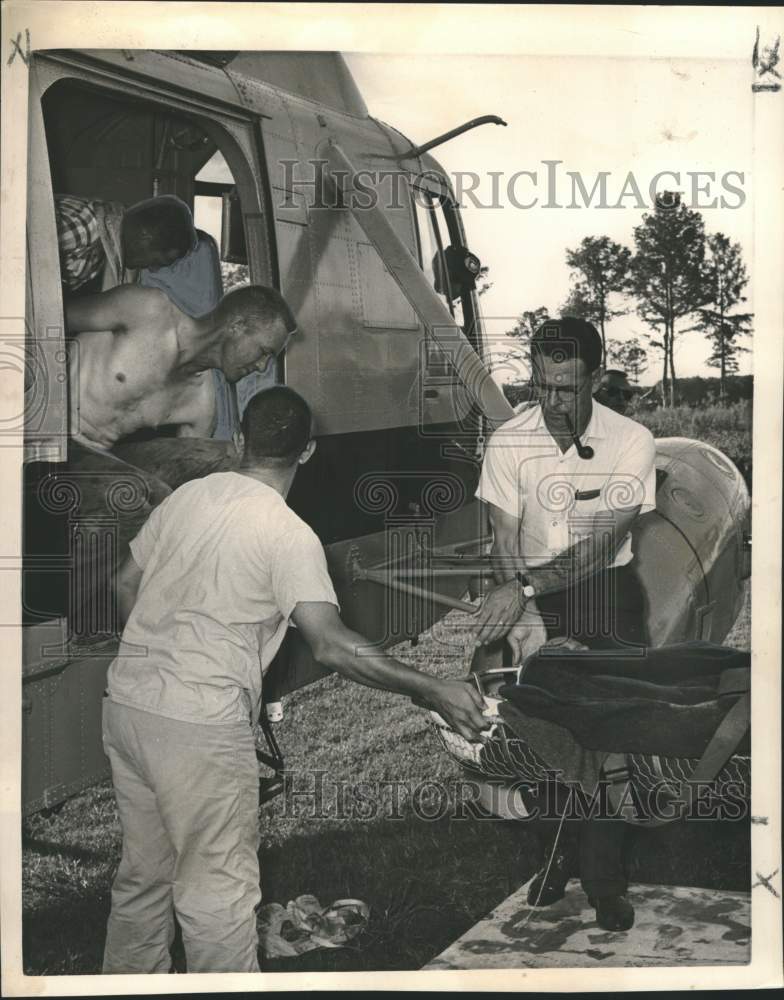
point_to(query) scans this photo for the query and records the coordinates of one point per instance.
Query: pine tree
(509, 359)
(629, 355)
(578, 303)
(667, 273)
(724, 278)
(528, 323)
(601, 268)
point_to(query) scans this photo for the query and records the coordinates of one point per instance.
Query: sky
(593, 114)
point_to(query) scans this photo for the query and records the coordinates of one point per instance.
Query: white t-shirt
(557, 495)
(225, 561)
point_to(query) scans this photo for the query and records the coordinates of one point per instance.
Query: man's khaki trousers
(188, 798)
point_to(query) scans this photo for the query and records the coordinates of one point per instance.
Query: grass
(426, 881)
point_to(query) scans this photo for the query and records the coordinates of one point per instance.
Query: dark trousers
(99, 500)
(598, 843)
(606, 611)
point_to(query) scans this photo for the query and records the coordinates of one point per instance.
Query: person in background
(614, 391)
(103, 244)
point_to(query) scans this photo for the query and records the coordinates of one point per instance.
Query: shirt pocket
(589, 507)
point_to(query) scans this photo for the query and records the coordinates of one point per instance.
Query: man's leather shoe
(546, 890)
(613, 913)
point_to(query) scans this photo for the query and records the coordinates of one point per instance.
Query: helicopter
(361, 232)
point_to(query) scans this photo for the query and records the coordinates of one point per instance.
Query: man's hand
(461, 706)
(500, 610)
(351, 655)
(527, 635)
(564, 643)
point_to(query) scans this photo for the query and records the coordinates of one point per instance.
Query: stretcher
(647, 789)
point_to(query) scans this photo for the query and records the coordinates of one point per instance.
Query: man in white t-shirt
(207, 592)
(564, 481)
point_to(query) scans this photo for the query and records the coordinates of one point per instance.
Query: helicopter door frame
(430, 181)
(46, 392)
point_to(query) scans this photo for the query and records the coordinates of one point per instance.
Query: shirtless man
(138, 364)
(143, 363)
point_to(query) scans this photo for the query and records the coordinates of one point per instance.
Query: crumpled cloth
(303, 925)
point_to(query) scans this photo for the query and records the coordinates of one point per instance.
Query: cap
(614, 378)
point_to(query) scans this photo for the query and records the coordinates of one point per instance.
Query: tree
(528, 323)
(578, 303)
(525, 327)
(667, 273)
(629, 355)
(724, 278)
(601, 268)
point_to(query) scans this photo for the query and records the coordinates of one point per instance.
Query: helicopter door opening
(99, 144)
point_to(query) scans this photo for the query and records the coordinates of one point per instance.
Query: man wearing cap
(614, 391)
(564, 481)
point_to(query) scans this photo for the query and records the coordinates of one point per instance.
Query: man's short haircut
(163, 223)
(276, 426)
(252, 306)
(566, 338)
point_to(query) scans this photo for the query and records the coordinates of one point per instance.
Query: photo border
(714, 33)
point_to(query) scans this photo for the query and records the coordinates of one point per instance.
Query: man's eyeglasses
(543, 389)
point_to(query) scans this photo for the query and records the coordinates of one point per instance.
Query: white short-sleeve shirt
(558, 495)
(224, 563)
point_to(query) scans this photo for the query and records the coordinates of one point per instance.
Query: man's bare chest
(139, 374)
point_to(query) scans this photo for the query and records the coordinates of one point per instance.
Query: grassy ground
(426, 880)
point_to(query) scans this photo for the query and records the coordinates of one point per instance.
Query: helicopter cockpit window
(435, 239)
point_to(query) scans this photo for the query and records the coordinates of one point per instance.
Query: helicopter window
(431, 247)
(435, 233)
(216, 210)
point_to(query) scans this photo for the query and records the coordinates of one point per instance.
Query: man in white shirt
(212, 581)
(564, 481)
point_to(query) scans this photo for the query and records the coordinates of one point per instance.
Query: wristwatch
(528, 587)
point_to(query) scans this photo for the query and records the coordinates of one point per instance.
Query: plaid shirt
(82, 256)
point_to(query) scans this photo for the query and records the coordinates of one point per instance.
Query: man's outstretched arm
(116, 310)
(352, 655)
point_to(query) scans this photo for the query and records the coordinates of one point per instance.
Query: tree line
(677, 275)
